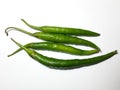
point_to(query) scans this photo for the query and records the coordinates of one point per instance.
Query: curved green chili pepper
(56, 47)
(65, 64)
(63, 30)
(58, 38)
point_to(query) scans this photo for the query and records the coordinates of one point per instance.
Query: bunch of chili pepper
(58, 39)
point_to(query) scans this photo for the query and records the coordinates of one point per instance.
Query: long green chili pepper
(56, 47)
(63, 30)
(58, 38)
(65, 64)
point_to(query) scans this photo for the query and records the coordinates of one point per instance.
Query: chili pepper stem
(21, 46)
(32, 26)
(15, 52)
(18, 29)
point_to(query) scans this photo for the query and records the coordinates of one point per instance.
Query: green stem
(15, 52)
(24, 48)
(18, 29)
(29, 25)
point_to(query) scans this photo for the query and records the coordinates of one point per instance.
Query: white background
(20, 72)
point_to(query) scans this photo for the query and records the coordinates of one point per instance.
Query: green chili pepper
(58, 38)
(56, 47)
(65, 64)
(63, 30)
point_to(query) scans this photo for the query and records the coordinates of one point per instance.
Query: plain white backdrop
(20, 72)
